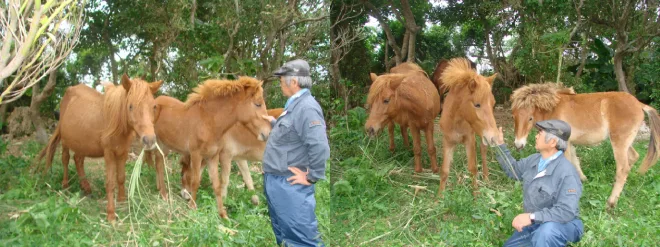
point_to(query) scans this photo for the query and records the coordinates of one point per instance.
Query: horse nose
(149, 141)
(371, 131)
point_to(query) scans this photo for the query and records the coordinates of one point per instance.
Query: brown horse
(96, 125)
(196, 127)
(467, 110)
(409, 99)
(593, 117)
(239, 144)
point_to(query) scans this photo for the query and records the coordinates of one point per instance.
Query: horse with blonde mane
(467, 111)
(592, 117)
(196, 127)
(104, 125)
(239, 144)
(406, 97)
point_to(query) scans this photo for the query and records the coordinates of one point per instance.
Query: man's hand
(299, 177)
(269, 118)
(520, 221)
(499, 138)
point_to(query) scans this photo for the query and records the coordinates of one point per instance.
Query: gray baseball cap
(557, 127)
(296, 67)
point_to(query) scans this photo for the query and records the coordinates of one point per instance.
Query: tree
(36, 38)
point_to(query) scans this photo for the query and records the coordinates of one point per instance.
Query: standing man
(294, 159)
(551, 189)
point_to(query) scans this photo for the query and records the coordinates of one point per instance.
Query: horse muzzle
(149, 142)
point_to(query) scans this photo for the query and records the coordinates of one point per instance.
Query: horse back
(81, 120)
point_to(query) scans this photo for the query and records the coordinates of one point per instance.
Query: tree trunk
(37, 98)
(411, 47)
(3, 112)
(618, 70)
(111, 50)
(154, 60)
(411, 28)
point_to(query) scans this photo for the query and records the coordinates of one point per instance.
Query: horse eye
(154, 108)
(386, 101)
(530, 119)
(477, 105)
(130, 107)
(258, 105)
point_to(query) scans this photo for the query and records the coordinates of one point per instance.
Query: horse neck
(219, 114)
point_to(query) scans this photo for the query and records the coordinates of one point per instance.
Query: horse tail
(49, 151)
(653, 152)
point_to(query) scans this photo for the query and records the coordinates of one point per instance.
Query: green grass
(35, 211)
(373, 203)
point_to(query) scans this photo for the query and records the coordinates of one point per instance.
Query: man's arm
(566, 208)
(315, 139)
(518, 166)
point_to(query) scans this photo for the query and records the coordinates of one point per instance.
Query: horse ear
(154, 86)
(126, 82)
(472, 85)
(491, 79)
(373, 77)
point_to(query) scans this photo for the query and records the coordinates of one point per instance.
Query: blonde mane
(408, 67)
(459, 73)
(383, 81)
(542, 96)
(115, 99)
(211, 89)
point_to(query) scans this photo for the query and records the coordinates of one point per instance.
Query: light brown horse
(467, 110)
(409, 99)
(592, 117)
(104, 125)
(196, 127)
(239, 144)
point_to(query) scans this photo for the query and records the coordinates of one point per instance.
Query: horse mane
(459, 73)
(383, 81)
(408, 67)
(211, 89)
(542, 96)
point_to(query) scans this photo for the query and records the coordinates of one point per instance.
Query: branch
(304, 20)
(48, 89)
(386, 28)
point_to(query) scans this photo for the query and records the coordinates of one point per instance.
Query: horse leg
(621, 149)
(121, 176)
(572, 156)
(430, 148)
(110, 182)
(483, 149)
(471, 153)
(185, 176)
(195, 179)
(447, 156)
(247, 179)
(417, 148)
(149, 159)
(219, 187)
(65, 166)
(160, 174)
(633, 156)
(404, 134)
(80, 168)
(390, 134)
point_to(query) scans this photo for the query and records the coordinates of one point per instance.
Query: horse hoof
(583, 178)
(223, 215)
(436, 170)
(255, 200)
(185, 194)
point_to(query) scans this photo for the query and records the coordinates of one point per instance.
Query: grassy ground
(374, 204)
(35, 211)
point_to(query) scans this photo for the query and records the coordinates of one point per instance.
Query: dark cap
(557, 127)
(296, 67)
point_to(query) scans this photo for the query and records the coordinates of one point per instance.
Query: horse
(467, 110)
(121, 113)
(239, 145)
(592, 117)
(196, 127)
(409, 99)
